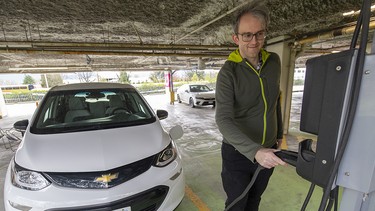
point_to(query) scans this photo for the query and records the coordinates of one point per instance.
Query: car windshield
(199, 88)
(69, 111)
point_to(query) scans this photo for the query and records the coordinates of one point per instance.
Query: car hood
(210, 94)
(97, 150)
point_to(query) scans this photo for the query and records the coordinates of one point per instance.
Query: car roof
(94, 85)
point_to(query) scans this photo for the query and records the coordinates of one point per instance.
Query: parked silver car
(95, 146)
(196, 95)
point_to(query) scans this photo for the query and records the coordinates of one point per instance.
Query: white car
(196, 95)
(95, 146)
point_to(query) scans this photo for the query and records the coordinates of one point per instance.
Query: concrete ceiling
(39, 36)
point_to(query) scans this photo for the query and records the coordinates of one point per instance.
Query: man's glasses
(248, 36)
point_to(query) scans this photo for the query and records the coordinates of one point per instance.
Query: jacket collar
(236, 57)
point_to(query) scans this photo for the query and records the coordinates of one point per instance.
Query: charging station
(339, 107)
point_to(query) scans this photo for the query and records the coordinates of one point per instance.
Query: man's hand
(266, 158)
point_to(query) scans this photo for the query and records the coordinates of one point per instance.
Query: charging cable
(259, 168)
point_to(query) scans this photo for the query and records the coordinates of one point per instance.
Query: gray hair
(256, 8)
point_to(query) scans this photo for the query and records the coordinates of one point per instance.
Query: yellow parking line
(195, 199)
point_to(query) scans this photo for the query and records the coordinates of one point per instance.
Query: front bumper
(204, 102)
(156, 189)
(148, 200)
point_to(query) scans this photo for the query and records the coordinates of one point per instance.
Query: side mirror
(176, 132)
(162, 114)
(21, 125)
(187, 91)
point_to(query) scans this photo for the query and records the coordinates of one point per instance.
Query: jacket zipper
(264, 100)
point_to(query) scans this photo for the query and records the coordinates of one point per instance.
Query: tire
(178, 99)
(191, 103)
(214, 105)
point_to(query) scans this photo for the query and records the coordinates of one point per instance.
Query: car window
(199, 88)
(67, 111)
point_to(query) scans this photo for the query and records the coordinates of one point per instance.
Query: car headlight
(27, 179)
(166, 156)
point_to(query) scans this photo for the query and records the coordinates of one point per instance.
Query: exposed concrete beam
(111, 46)
(111, 52)
(74, 70)
(124, 49)
(89, 68)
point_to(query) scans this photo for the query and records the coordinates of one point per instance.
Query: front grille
(100, 179)
(208, 103)
(149, 200)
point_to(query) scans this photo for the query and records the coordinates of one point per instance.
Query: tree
(52, 79)
(157, 77)
(28, 79)
(211, 77)
(190, 74)
(194, 77)
(85, 77)
(124, 77)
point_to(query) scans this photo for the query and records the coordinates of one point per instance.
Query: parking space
(200, 151)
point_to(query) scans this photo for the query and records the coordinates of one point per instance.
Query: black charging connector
(287, 156)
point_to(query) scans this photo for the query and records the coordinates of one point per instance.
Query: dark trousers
(237, 171)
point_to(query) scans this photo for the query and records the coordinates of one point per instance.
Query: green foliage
(52, 80)
(28, 79)
(190, 74)
(195, 77)
(101, 79)
(16, 96)
(211, 78)
(298, 82)
(146, 87)
(124, 77)
(157, 77)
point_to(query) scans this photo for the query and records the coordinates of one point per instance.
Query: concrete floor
(199, 148)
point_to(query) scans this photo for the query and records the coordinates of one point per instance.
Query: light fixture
(49, 68)
(37, 68)
(348, 13)
(356, 12)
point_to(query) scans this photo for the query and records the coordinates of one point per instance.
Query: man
(248, 112)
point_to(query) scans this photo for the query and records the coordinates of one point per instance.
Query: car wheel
(178, 99)
(213, 105)
(191, 103)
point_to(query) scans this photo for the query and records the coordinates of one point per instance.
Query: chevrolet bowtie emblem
(106, 178)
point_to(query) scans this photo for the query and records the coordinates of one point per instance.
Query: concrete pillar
(287, 57)
(169, 86)
(3, 110)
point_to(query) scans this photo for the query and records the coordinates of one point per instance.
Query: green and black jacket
(248, 111)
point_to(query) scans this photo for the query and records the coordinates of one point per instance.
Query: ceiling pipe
(331, 34)
(213, 21)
